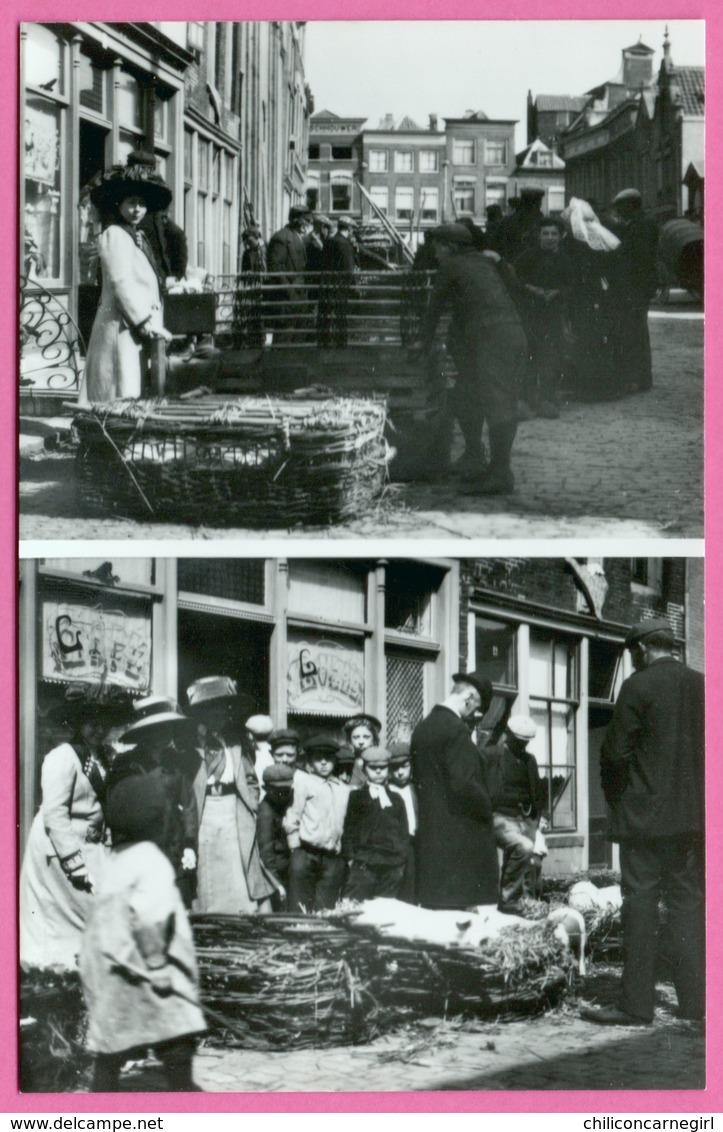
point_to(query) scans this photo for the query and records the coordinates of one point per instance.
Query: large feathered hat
(137, 179)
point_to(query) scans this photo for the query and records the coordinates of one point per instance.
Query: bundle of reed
(251, 461)
(559, 884)
(294, 982)
(53, 1058)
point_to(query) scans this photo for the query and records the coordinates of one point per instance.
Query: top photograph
(362, 280)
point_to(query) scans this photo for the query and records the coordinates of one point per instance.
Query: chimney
(433, 120)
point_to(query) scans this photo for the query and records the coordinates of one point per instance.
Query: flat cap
(400, 753)
(297, 211)
(644, 629)
(531, 193)
(452, 234)
(522, 727)
(376, 756)
(282, 736)
(326, 743)
(627, 195)
(260, 726)
(345, 756)
(345, 222)
(278, 775)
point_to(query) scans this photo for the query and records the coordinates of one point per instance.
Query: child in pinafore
(137, 962)
(376, 834)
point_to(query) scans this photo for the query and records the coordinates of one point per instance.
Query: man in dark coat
(338, 264)
(634, 284)
(286, 255)
(456, 852)
(514, 234)
(518, 799)
(489, 348)
(652, 768)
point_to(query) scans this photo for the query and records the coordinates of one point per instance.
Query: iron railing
(51, 344)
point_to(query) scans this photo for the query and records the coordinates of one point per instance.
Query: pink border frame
(14, 12)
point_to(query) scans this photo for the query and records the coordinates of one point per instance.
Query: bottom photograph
(361, 825)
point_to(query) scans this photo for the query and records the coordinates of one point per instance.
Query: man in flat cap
(456, 852)
(652, 768)
(286, 258)
(633, 285)
(519, 799)
(489, 348)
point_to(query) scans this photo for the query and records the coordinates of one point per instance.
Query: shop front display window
(554, 701)
(42, 165)
(43, 60)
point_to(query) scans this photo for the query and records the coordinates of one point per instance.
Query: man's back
(653, 755)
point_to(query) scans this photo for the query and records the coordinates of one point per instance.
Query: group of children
(337, 823)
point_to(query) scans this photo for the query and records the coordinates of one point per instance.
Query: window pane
(91, 84)
(380, 196)
(239, 579)
(561, 788)
(341, 197)
(495, 153)
(128, 104)
(540, 745)
(405, 697)
(540, 665)
(428, 161)
(495, 651)
(404, 203)
(188, 155)
(313, 153)
(562, 734)
(463, 152)
(42, 185)
(203, 163)
(332, 589)
(125, 570)
(605, 670)
(378, 160)
(160, 117)
(403, 162)
(341, 153)
(429, 198)
(43, 59)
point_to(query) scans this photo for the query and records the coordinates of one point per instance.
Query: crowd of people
(148, 812)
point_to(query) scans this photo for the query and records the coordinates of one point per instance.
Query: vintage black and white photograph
(361, 825)
(329, 279)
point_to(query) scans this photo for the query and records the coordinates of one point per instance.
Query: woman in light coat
(231, 875)
(130, 314)
(65, 853)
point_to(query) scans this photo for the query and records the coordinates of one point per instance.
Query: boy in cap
(518, 800)
(284, 743)
(137, 962)
(400, 782)
(314, 823)
(376, 834)
(278, 782)
(345, 760)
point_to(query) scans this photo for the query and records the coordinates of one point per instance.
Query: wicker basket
(250, 461)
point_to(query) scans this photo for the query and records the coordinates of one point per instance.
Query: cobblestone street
(612, 469)
(555, 1051)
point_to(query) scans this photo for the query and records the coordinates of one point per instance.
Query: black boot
(177, 1058)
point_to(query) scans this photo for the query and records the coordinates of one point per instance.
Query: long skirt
(52, 912)
(222, 884)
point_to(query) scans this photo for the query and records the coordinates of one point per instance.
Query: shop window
(160, 119)
(341, 153)
(43, 59)
(403, 162)
(405, 697)
(495, 194)
(404, 202)
(554, 698)
(496, 651)
(428, 161)
(121, 571)
(378, 161)
(333, 590)
(236, 579)
(42, 184)
(646, 574)
(312, 197)
(324, 674)
(463, 152)
(605, 670)
(91, 80)
(314, 152)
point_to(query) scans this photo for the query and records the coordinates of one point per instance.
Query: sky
(368, 69)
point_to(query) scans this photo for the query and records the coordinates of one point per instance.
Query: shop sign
(324, 676)
(83, 642)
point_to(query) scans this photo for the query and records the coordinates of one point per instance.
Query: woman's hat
(86, 701)
(212, 690)
(260, 726)
(150, 712)
(121, 181)
(362, 720)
